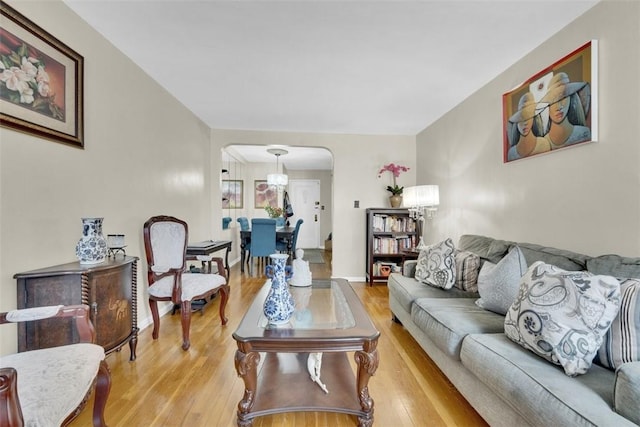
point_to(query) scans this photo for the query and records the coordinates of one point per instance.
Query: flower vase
(395, 200)
(92, 246)
(279, 305)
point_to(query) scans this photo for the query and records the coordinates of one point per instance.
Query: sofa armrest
(409, 268)
(626, 393)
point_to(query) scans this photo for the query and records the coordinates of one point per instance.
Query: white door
(304, 195)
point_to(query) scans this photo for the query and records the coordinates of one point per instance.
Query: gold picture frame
(41, 92)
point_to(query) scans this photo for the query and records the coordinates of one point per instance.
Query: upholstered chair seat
(50, 386)
(193, 285)
(53, 382)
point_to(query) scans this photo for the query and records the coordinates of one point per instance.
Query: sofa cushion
(494, 250)
(626, 394)
(498, 284)
(447, 321)
(436, 265)
(621, 344)
(540, 391)
(566, 260)
(406, 290)
(615, 265)
(563, 315)
(467, 269)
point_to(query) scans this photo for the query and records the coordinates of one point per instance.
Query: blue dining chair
(263, 238)
(281, 245)
(244, 223)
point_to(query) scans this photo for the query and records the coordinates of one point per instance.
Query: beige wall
(357, 159)
(145, 154)
(585, 198)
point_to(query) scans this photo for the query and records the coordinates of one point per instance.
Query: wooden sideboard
(108, 288)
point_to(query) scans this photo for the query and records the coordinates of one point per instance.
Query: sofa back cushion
(615, 265)
(493, 250)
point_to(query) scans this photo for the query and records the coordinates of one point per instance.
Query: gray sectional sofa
(507, 384)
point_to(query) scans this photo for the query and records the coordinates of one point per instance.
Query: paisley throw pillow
(436, 265)
(562, 315)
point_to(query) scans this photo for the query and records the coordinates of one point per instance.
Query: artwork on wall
(264, 195)
(556, 108)
(41, 84)
(232, 194)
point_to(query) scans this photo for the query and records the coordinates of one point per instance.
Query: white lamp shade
(277, 179)
(421, 196)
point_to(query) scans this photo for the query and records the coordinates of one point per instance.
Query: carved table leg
(247, 368)
(367, 360)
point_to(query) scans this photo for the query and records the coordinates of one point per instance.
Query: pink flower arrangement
(396, 170)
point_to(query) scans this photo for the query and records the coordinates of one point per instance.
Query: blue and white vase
(279, 305)
(92, 247)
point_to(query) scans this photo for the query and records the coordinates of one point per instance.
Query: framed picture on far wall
(232, 194)
(264, 195)
(555, 109)
(41, 92)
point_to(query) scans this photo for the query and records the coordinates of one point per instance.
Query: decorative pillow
(436, 265)
(622, 342)
(467, 269)
(498, 284)
(563, 315)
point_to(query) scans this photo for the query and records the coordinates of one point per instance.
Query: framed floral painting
(232, 194)
(556, 108)
(41, 81)
(264, 195)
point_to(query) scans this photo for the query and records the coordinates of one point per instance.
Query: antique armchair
(165, 243)
(51, 386)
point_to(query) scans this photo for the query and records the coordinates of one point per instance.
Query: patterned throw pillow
(622, 342)
(467, 269)
(436, 265)
(498, 284)
(563, 315)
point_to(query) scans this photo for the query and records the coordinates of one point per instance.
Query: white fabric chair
(50, 386)
(165, 242)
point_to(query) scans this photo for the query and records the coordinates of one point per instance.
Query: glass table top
(322, 305)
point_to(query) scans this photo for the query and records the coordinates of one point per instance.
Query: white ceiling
(353, 67)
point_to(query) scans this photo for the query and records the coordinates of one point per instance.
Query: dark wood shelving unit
(390, 231)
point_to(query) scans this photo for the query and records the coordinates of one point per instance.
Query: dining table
(282, 234)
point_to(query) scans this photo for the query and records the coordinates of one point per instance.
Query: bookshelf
(390, 232)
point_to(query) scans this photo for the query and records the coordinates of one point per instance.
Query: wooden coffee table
(272, 361)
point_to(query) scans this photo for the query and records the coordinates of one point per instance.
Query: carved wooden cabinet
(108, 288)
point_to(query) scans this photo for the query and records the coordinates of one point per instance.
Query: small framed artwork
(41, 89)
(232, 194)
(264, 195)
(556, 108)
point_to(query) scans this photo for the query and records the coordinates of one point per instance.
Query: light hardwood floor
(167, 386)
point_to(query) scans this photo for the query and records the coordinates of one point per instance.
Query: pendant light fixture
(277, 179)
